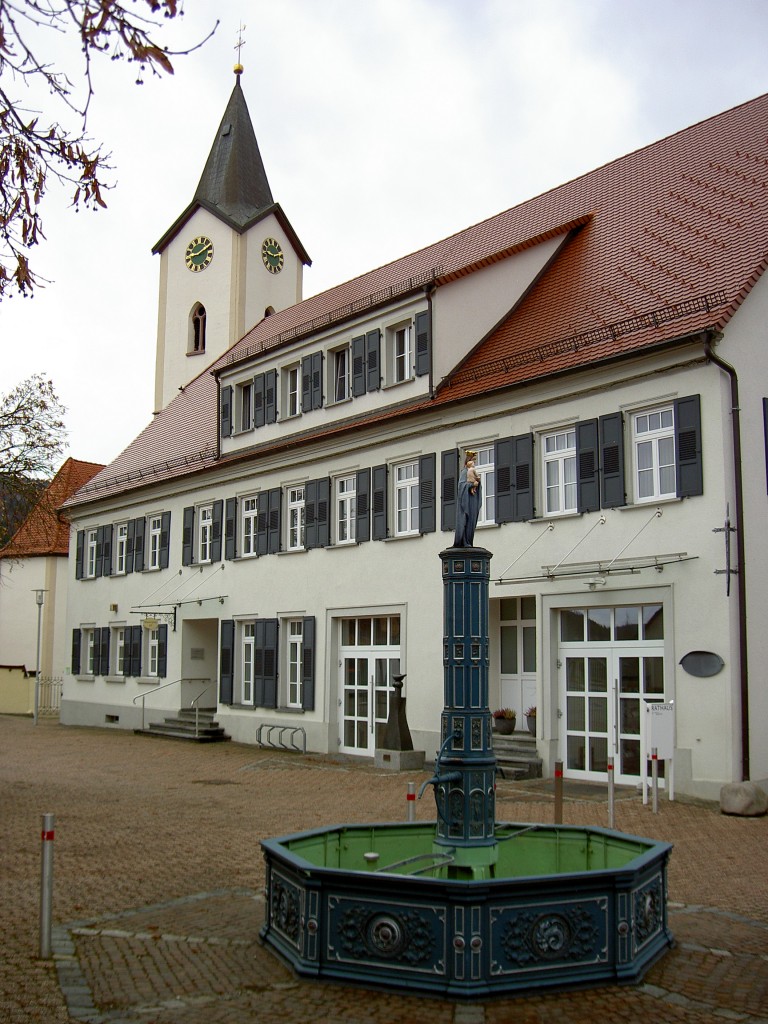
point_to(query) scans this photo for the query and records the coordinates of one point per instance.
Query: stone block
(400, 760)
(745, 799)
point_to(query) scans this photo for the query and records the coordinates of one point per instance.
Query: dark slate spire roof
(234, 181)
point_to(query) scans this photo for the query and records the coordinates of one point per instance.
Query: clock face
(272, 255)
(199, 254)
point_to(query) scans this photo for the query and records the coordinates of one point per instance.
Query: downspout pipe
(740, 549)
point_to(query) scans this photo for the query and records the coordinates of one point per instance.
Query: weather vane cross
(240, 41)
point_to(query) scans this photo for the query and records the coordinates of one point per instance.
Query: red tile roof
(664, 242)
(45, 531)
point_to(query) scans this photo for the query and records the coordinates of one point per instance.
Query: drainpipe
(742, 583)
(430, 290)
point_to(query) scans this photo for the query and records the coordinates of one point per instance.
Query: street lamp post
(39, 598)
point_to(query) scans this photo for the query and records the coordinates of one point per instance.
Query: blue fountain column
(465, 790)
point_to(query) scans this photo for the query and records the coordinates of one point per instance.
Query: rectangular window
(121, 550)
(206, 533)
(340, 383)
(153, 638)
(559, 468)
(346, 509)
(155, 530)
(406, 499)
(402, 354)
(89, 652)
(295, 518)
(119, 648)
(654, 448)
(295, 660)
(245, 400)
(484, 467)
(92, 543)
(250, 521)
(292, 388)
(249, 640)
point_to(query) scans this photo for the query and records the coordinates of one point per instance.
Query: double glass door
(369, 660)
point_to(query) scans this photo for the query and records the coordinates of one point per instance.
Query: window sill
(114, 679)
(340, 401)
(200, 352)
(149, 680)
(85, 679)
(292, 551)
(404, 536)
(671, 499)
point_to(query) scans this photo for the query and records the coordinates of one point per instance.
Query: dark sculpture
(468, 501)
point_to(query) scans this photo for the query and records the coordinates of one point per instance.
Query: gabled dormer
(230, 259)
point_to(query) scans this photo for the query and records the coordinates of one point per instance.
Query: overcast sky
(384, 125)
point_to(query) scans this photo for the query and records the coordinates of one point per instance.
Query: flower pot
(504, 726)
(530, 721)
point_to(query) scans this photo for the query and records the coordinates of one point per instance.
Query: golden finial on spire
(238, 46)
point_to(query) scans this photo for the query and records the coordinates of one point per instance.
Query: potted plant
(530, 719)
(504, 720)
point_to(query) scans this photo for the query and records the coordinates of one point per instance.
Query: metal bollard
(558, 792)
(611, 796)
(411, 801)
(655, 778)
(46, 887)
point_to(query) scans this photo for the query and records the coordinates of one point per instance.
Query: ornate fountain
(464, 906)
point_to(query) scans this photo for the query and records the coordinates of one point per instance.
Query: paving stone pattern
(158, 895)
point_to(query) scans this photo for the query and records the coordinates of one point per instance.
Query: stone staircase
(516, 756)
(182, 727)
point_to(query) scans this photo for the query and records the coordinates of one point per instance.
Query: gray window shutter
(688, 460)
(162, 650)
(216, 524)
(363, 506)
(502, 461)
(227, 661)
(230, 529)
(262, 518)
(270, 396)
(379, 503)
(373, 360)
(323, 512)
(358, 366)
(134, 650)
(523, 505)
(188, 536)
(308, 664)
(106, 551)
(449, 471)
(129, 546)
(102, 635)
(165, 540)
(310, 514)
(317, 380)
(273, 524)
(427, 513)
(80, 555)
(270, 663)
(259, 639)
(423, 343)
(259, 390)
(76, 641)
(587, 467)
(612, 493)
(317, 501)
(226, 411)
(99, 551)
(138, 544)
(306, 384)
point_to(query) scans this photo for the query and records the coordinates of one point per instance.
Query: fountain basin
(382, 905)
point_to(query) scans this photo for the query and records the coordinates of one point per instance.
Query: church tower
(230, 259)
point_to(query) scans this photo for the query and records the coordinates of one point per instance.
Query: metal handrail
(163, 686)
(194, 704)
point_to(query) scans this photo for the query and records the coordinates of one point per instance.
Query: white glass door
(369, 660)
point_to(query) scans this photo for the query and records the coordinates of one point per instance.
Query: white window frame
(292, 390)
(247, 654)
(400, 353)
(154, 533)
(119, 646)
(91, 547)
(295, 633)
(406, 498)
(345, 502)
(245, 406)
(653, 434)
(121, 548)
(295, 518)
(88, 644)
(153, 651)
(558, 471)
(339, 370)
(249, 515)
(485, 469)
(205, 534)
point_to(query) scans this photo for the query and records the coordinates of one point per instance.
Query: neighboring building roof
(45, 531)
(234, 184)
(665, 242)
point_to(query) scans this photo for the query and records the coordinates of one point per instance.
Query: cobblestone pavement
(159, 874)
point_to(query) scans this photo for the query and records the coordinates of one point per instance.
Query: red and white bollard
(46, 886)
(410, 800)
(655, 778)
(558, 792)
(611, 795)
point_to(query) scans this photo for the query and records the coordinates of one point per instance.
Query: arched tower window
(197, 336)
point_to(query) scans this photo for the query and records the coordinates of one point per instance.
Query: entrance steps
(516, 756)
(182, 727)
